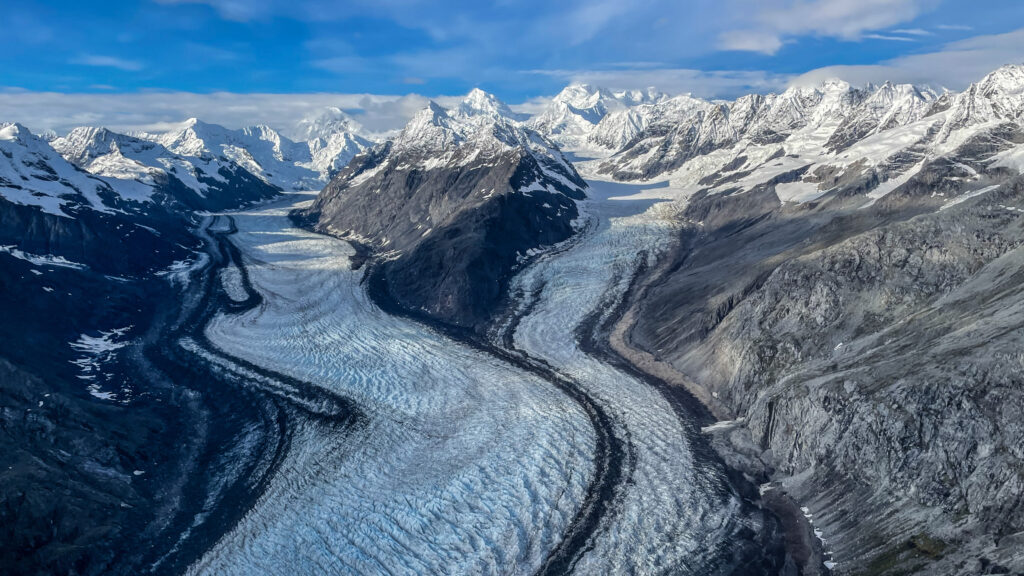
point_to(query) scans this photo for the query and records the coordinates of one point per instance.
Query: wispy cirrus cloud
(889, 37)
(773, 22)
(96, 60)
(912, 31)
(954, 66)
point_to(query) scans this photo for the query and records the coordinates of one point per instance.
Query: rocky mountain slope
(453, 204)
(85, 258)
(843, 290)
(845, 287)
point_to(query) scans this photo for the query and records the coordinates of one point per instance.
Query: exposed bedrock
(449, 224)
(875, 355)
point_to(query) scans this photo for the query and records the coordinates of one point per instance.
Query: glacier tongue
(675, 512)
(464, 464)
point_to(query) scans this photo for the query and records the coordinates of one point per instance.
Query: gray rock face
(453, 205)
(874, 353)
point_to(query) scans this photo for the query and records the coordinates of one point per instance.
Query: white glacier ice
(671, 514)
(463, 465)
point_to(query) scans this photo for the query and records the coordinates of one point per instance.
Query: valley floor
(521, 455)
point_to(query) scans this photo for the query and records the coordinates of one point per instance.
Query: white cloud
(911, 31)
(750, 41)
(701, 83)
(889, 37)
(154, 111)
(534, 105)
(772, 22)
(108, 62)
(955, 66)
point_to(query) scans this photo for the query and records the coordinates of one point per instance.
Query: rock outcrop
(452, 206)
(869, 338)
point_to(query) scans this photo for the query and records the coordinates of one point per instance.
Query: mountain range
(840, 287)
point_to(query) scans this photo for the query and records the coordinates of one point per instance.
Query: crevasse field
(465, 463)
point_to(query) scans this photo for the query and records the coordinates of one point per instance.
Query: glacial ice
(464, 464)
(672, 513)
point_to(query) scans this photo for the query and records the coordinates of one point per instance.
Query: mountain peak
(324, 124)
(651, 95)
(433, 111)
(12, 131)
(581, 95)
(1008, 79)
(481, 103)
(430, 128)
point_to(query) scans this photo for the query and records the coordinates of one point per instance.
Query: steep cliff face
(869, 337)
(452, 206)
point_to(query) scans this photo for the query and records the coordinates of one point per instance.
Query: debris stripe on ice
(466, 464)
(670, 515)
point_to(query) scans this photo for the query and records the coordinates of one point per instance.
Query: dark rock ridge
(870, 341)
(451, 207)
(97, 444)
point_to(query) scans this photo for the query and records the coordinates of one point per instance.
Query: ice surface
(669, 515)
(41, 260)
(465, 465)
(231, 280)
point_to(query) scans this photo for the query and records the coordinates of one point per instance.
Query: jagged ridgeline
(97, 434)
(452, 205)
(834, 270)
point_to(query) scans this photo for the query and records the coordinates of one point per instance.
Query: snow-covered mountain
(333, 139)
(889, 106)
(810, 141)
(574, 113)
(120, 199)
(469, 191)
(261, 150)
(480, 103)
(139, 169)
(32, 173)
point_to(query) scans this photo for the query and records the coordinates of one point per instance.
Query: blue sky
(99, 56)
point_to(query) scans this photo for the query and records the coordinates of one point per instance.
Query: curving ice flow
(462, 465)
(674, 512)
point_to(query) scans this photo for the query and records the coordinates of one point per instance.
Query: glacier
(467, 462)
(463, 464)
